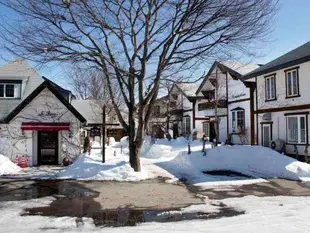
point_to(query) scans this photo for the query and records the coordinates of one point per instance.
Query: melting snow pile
(87, 168)
(7, 167)
(255, 161)
(170, 159)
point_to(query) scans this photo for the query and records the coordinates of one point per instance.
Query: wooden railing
(212, 104)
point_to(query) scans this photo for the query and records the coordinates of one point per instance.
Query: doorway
(48, 147)
(266, 134)
(212, 131)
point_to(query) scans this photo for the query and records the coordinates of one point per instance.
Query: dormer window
(10, 89)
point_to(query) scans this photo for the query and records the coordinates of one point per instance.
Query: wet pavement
(274, 187)
(110, 203)
(116, 204)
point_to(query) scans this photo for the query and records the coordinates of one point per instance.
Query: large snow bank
(89, 169)
(7, 167)
(156, 151)
(255, 161)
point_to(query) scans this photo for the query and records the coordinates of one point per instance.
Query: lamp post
(103, 134)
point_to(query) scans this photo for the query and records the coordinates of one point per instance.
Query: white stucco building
(37, 119)
(282, 100)
(223, 88)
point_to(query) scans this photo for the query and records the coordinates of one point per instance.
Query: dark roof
(46, 84)
(294, 57)
(62, 91)
(234, 74)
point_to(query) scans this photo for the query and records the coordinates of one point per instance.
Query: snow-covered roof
(241, 68)
(189, 89)
(89, 109)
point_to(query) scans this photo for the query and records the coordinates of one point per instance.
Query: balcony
(176, 112)
(212, 104)
(159, 115)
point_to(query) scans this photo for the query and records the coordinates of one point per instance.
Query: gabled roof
(62, 91)
(187, 89)
(294, 57)
(35, 93)
(235, 69)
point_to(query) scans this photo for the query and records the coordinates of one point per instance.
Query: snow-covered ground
(7, 167)
(170, 159)
(268, 214)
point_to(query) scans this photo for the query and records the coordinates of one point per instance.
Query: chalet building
(158, 123)
(223, 95)
(282, 101)
(36, 117)
(92, 110)
(183, 99)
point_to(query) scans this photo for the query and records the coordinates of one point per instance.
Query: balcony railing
(176, 112)
(159, 115)
(212, 104)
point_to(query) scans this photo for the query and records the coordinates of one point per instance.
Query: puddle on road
(75, 200)
(39, 189)
(226, 173)
(123, 216)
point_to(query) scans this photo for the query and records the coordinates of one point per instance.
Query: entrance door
(47, 147)
(212, 131)
(175, 130)
(266, 134)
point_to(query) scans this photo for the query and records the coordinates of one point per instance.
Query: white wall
(237, 91)
(19, 144)
(279, 129)
(246, 106)
(278, 118)
(304, 76)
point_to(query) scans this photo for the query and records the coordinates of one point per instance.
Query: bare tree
(136, 43)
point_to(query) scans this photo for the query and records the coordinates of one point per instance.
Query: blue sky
(292, 29)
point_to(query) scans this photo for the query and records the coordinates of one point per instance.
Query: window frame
(299, 116)
(15, 83)
(203, 129)
(186, 127)
(270, 77)
(235, 111)
(157, 110)
(291, 70)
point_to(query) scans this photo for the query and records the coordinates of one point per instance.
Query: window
(270, 87)
(292, 83)
(238, 120)
(157, 110)
(9, 90)
(209, 95)
(206, 129)
(187, 125)
(296, 129)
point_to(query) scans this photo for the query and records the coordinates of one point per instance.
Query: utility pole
(103, 134)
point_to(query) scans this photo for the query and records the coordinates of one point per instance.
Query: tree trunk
(134, 152)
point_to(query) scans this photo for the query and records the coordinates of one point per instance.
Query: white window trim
(4, 91)
(272, 77)
(185, 125)
(298, 127)
(235, 127)
(207, 134)
(291, 87)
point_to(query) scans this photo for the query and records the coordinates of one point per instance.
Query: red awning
(45, 126)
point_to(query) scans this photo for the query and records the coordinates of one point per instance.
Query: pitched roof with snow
(235, 69)
(189, 89)
(294, 57)
(89, 109)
